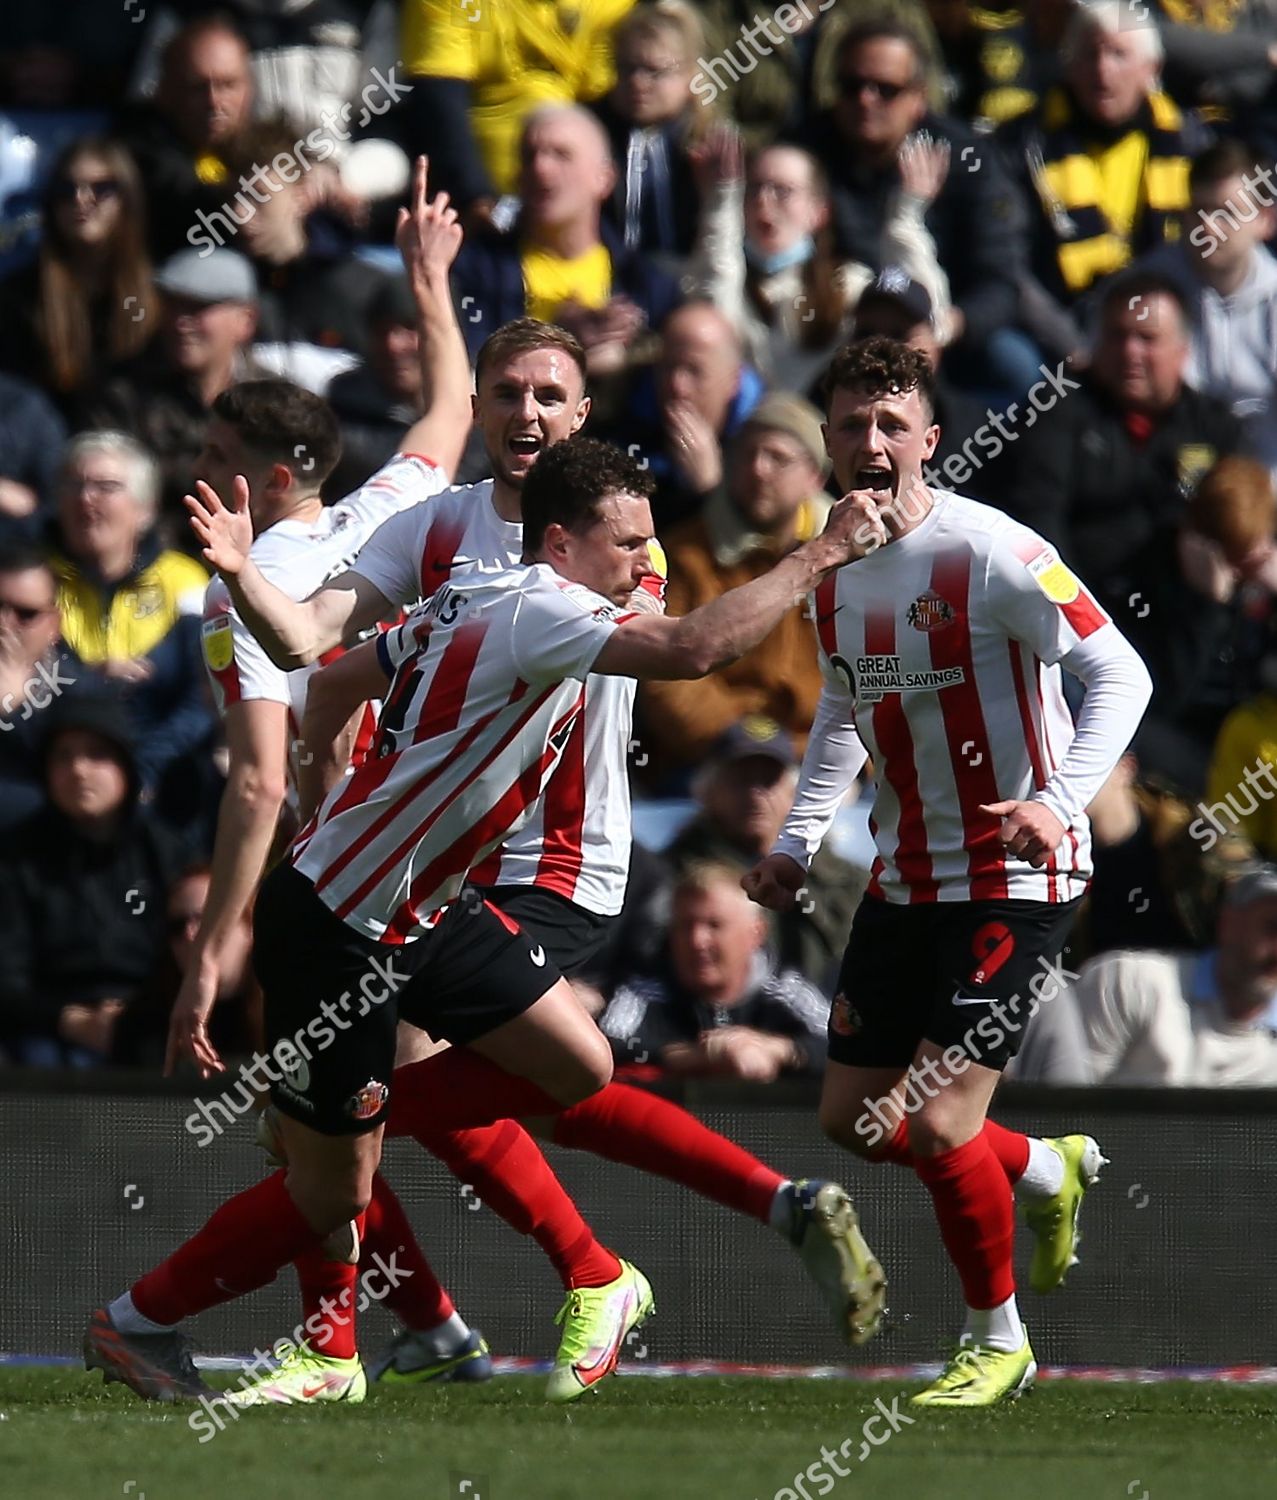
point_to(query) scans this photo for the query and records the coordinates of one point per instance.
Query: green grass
(63, 1435)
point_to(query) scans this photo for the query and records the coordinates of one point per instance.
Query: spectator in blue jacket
(31, 440)
(561, 261)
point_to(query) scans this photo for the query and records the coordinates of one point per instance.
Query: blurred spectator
(765, 252)
(311, 289)
(681, 413)
(32, 436)
(774, 91)
(1206, 615)
(87, 301)
(745, 788)
(35, 670)
(1190, 1019)
(376, 402)
(1000, 57)
(1240, 790)
(720, 1006)
(974, 218)
(1102, 164)
(1115, 459)
(208, 316)
(140, 1036)
(476, 78)
(1229, 279)
(1159, 870)
(73, 55)
(183, 139)
(771, 499)
(305, 54)
(651, 119)
(895, 306)
(561, 262)
(1222, 56)
(128, 606)
(82, 887)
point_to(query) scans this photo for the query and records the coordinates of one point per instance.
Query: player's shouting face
(609, 553)
(525, 403)
(878, 440)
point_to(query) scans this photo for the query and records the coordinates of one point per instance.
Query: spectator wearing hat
(377, 400)
(770, 499)
(130, 607)
(896, 306)
(745, 789)
(765, 254)
(208, 319)
(1190, 1019)
(719, 1005)
(82, 890)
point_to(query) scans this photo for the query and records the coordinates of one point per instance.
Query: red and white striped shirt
(577, 841)
(488, 684)
(940, 652)
(298, 557)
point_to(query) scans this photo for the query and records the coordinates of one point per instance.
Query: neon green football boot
(304, 1378)
(981, 1377)
(596, 1322)
(1054, 1220)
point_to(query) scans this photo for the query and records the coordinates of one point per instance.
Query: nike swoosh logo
(824, 619)
(969, 1000)
(537, 956)
(585, 1368)
(315, 1388)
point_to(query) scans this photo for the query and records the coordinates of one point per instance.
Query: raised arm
(293, 634)
(655, 647)
(428, 236)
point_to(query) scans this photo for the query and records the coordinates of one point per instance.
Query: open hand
(225, 534)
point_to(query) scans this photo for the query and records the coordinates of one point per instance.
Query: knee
(588, 1071)
(932, 1133)
(329, 1202)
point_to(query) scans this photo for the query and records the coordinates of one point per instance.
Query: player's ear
(930, 441)
(582, 411)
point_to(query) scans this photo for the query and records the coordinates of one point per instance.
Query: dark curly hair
(881, 367)
(285, 424)
(569, 480)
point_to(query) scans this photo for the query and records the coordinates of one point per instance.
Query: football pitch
(64, 1437)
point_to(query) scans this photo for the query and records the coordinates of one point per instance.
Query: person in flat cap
(770, 499)
(208, 320)
(1191, 1019)
(745, 789)
(82, 890)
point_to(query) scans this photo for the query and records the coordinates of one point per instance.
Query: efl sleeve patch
(1055, 580)
(219, 643)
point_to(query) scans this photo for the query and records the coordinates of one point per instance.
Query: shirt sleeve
(558, 632)
(399, 642)
(391, 557)
(1038, 599)
(833, 759)
(239, 670)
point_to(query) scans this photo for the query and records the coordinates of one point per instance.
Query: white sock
(778, 1215)
(446, 1337)
(1044, 1175)
(128, 1320)
(995, 1327)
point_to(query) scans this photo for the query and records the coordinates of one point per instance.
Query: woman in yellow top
(130, 608)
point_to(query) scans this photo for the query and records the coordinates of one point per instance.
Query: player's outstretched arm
(257, 738)
(335, 700)
(292, 634)
(428, 236)
(716, 634)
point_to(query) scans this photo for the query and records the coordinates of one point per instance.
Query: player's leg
(978, 1014)
(332, 1110)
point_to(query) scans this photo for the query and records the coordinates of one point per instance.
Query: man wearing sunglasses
(975, 219)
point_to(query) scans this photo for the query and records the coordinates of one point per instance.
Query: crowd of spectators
(1066, 205)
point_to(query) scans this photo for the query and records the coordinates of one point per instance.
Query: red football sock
(898, 1151)
(415, 1295)
(625, 1124)
(508, 1172)
(458, 1089)
(1010, 1147)
(328, 1301)
(240, 1249)
(977, 1218)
